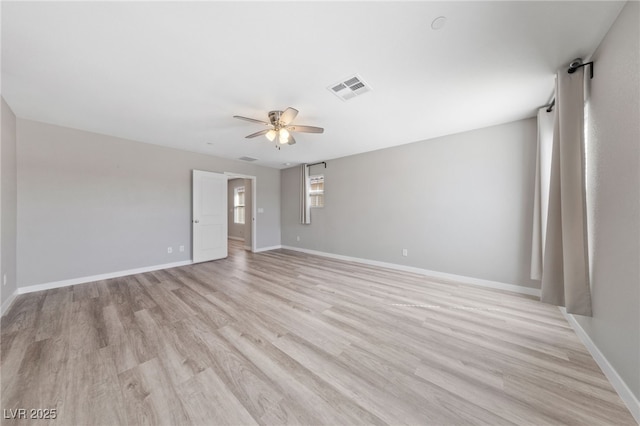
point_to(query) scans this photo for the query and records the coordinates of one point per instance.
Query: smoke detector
(438, 23)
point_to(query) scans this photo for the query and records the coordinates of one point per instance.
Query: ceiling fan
(280, 125)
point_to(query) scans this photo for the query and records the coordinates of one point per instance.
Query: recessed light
(286, 164)
(438, 23)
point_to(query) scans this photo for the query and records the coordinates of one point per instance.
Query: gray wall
(234, 229)
(92, 204)
(461, 204)
(8, 200)
(613, 197)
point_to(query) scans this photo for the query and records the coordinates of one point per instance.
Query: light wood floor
(287, 338)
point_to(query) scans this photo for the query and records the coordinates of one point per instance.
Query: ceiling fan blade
(291, 139)
(253, 120)
(305, 129)
(256, 134)
(288, 115)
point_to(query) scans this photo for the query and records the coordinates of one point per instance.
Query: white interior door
(209, 219)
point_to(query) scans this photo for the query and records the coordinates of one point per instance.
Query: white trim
(630, 400)
(7, 303)
(235, 238)
(82, 280)
(442, 275)
(261, 249)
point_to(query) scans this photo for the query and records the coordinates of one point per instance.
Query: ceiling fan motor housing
(274, 117)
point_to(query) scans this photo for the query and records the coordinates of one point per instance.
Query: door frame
(254, 202)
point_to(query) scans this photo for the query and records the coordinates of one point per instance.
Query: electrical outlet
(298, 238)
(169, 250)
(181, 248)
(405, 252)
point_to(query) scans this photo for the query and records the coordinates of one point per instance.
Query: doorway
(242, 201)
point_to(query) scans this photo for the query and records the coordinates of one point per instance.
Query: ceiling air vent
(349, 88)
(247, 159)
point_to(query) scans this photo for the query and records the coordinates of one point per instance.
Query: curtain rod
(577, 63)
(551, 105)
(320, 162)
(573, 66)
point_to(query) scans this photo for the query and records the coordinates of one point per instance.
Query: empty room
(320, 213)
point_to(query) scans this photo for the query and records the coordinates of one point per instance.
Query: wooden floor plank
(308, 397)
(283, 337)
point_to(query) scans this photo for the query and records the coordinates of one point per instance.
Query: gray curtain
(305, 204)
(565, 266)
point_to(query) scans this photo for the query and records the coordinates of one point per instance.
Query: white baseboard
(442, 275)
(632, 403)
(235, 238)
(82, 280)
(7, 303)
(261, 249)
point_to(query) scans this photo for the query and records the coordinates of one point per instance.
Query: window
(238, 205)
(316, 190)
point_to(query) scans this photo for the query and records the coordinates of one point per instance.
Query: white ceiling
(175, 73)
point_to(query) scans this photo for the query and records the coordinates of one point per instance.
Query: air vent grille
(352, 81)
(349, 88)
(247, 159)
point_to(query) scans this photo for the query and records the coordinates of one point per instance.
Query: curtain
(305, 204)
(546, 121)
(564, 259)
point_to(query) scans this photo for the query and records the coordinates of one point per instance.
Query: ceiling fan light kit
(280, 125)
(283, 136)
